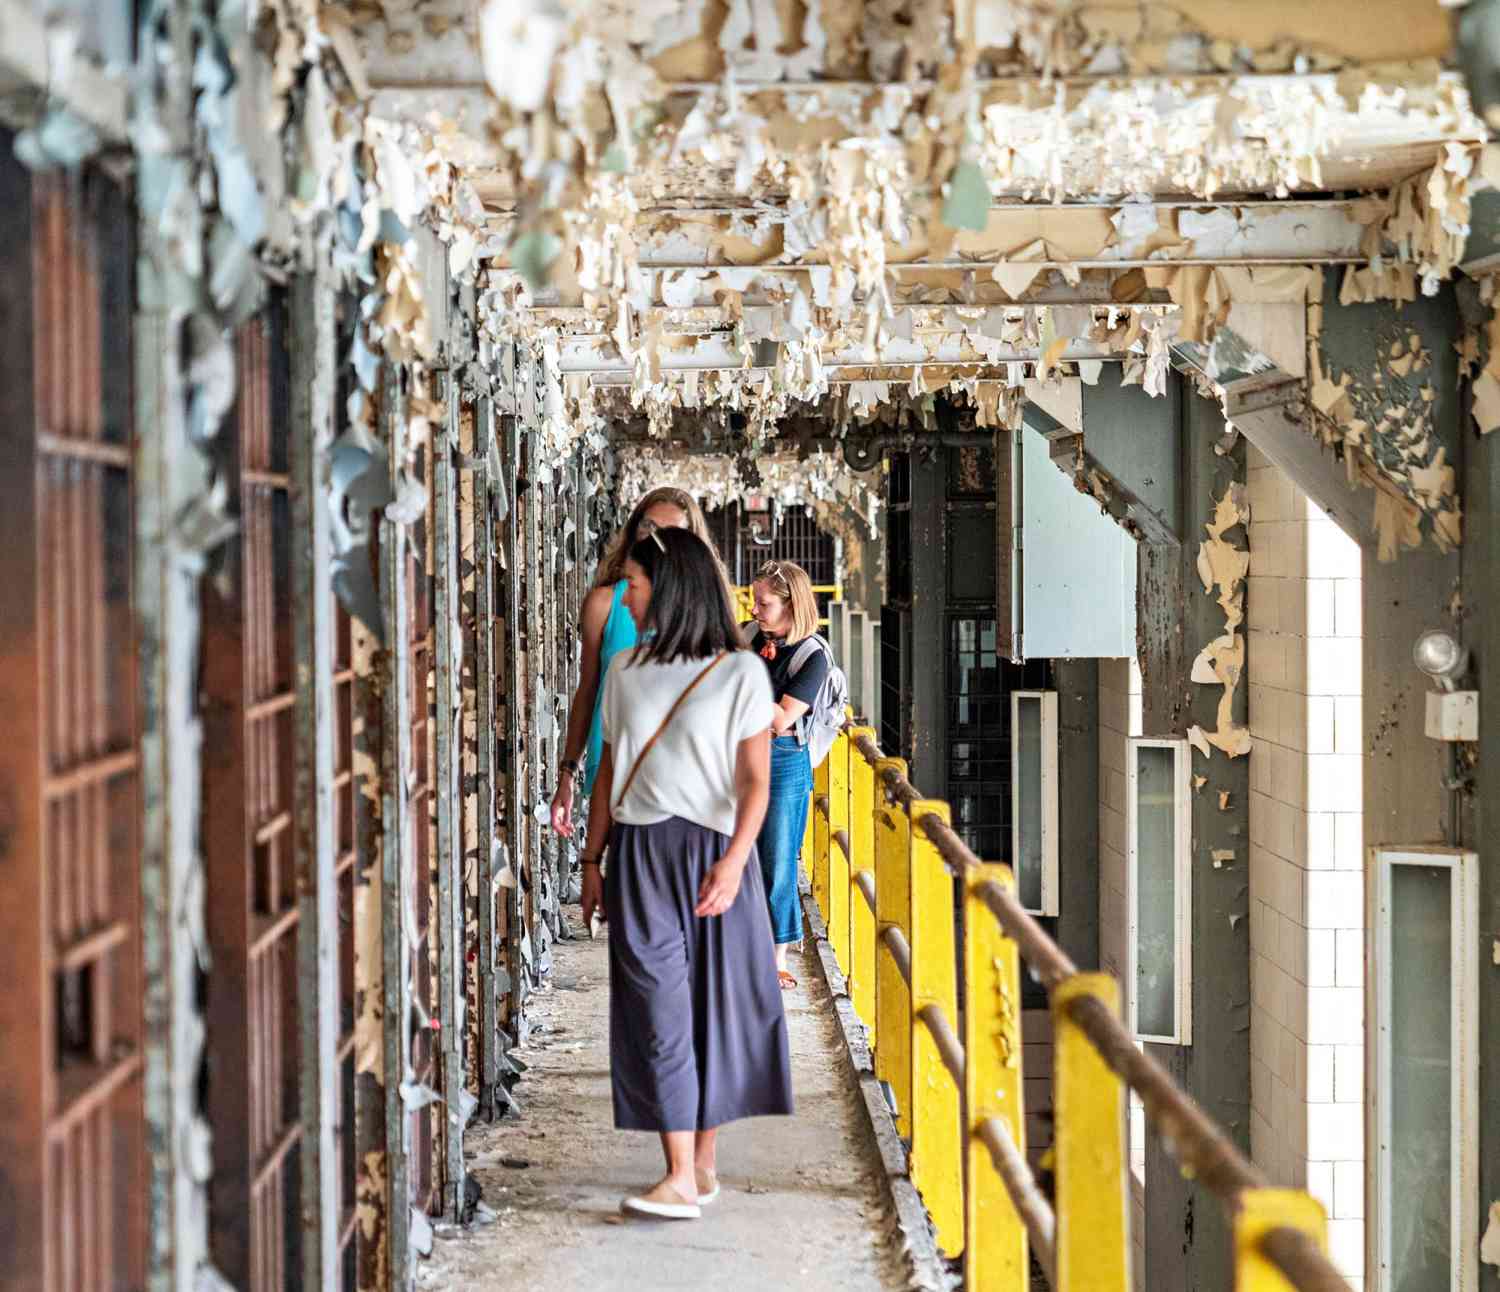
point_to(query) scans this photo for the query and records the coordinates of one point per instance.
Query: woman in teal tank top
(606, 629)
(619, 634)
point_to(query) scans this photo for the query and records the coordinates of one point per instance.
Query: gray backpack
(819, 727)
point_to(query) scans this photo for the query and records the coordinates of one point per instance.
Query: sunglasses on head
(648, 528)
(772, 570)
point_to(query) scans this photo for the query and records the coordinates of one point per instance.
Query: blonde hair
(612, 567)
(790, 582)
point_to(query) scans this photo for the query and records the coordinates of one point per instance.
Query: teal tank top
(619, 634)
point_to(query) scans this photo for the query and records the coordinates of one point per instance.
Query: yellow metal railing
(744, 600)
(883, 861)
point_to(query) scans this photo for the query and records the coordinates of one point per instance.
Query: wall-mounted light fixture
(1451, 714)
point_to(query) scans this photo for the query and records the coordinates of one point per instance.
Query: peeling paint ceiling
(761, 204)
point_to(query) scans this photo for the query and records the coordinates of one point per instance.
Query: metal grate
(895, 682)
(797, 538)
(71, 1129)
(979, 683)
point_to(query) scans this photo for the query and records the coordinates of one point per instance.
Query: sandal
(785, 979)
(661, 1203)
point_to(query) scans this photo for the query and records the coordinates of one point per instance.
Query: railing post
(995, 1248)
(862, 858)
(821, 841)
(1262, 1210)
(893, 910)
(1093, 1246)
(937, 1126)
(840, 866)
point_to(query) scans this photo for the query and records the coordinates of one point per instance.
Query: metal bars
(961, 1102)
(71, 1130)
(253, 908)
(289, 984)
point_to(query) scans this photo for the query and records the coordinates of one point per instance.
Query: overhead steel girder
(1269, 408)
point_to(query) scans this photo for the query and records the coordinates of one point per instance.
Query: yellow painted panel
(820, 838)
(937, 1127)
(861, 917)
(1266, 1209)
(838, 874)
(995, 1250)
(1088, 1100)
(808, 842)
(893, 909)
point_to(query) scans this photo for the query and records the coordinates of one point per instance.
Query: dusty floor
(802, 1205)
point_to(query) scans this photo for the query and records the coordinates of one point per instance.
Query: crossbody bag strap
(656, 735)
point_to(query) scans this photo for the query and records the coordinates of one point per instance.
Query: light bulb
(1439, 655)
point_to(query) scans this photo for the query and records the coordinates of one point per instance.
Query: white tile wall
(1306, 871)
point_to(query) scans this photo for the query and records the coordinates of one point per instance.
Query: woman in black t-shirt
(786, 615)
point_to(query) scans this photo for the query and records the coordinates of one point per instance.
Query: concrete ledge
(928, 1269)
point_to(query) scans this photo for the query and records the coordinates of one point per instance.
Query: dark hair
(689, 616)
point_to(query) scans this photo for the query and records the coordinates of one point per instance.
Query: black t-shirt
(809, 678)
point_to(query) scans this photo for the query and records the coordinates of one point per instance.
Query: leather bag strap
(656, 735)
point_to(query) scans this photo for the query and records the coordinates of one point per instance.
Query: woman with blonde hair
(607, 629)
(786, 619)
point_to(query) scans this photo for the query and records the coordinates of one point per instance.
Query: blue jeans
(780, 842)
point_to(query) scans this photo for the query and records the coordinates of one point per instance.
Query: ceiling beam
(717, 351)
(935, 375)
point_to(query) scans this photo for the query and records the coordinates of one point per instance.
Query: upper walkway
(802, 1205)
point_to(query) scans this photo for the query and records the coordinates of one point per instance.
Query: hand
(720, 887)
(562, 806)
(593, 894)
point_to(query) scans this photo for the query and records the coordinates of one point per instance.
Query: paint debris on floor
(799, 1209)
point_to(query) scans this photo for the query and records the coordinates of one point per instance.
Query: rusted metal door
(72, 1153)
(252, 908)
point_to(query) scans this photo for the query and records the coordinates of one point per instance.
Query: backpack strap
(671, 713)
(804, 653)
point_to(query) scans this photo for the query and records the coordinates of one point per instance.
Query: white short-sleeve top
(689, 772)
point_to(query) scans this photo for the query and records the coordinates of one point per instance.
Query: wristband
(590, 861)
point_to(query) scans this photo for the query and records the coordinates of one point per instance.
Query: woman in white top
(697, 1032)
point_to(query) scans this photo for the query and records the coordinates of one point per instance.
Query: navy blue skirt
(697, 1031)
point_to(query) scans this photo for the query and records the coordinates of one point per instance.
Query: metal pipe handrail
(865, 882)
(950, 1049)
(841, 837)
(1186, 1130)
(896, 943)
(1025, 1194)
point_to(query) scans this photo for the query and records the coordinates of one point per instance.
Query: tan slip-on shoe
(661, 1203)
(708, 1187)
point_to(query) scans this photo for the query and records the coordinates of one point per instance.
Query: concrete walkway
(802, 1205)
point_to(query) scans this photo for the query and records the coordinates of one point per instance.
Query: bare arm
(752, 789)
(788, 710)
(600, 818)
(598, 835)
(591, 623)
(581, 712)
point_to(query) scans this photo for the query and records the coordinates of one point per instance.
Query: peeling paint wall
(1187, 1240)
